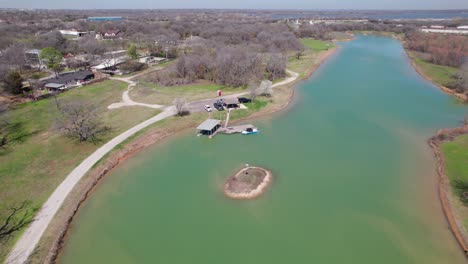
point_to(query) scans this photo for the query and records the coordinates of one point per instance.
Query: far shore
(55, 236)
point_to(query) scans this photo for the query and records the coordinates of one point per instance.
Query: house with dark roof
(69, 79)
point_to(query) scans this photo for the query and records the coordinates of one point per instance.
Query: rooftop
(209, 124)
(65, 78)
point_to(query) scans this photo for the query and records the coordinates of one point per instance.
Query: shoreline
(444, 189)
(444, 89)
(259, 190)
(100, 171)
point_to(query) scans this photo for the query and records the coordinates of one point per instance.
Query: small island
(248, 183)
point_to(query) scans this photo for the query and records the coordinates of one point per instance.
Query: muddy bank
(52, 242)
(444, 188)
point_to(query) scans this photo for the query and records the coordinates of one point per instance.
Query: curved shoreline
(101, 170)
(259, 190)
(444, 190)
(443, 187)
(444, 89)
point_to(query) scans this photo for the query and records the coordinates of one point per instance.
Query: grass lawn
(456, 158)
(310, 57)
(151, 93)
(316, 45)
(32, 169)
(456, 168)
(442, 75)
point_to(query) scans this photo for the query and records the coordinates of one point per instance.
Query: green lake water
(354, 180)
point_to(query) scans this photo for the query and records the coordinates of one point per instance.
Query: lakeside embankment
(426, 76)
(446, 195)
(53, 239)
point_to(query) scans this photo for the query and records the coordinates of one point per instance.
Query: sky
(236, 4)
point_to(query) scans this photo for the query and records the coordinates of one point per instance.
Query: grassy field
(316, 45)
(442, 75)
(310, 57)
(456, 168)
(153, 94)
(456, 158)
(31, 169)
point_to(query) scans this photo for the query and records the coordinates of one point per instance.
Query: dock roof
(209, 124)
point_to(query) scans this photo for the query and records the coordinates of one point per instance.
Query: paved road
(28, 241)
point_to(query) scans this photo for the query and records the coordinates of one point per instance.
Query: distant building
(110, 34)
(462, 27)
(445, 31)
(105, 18)
(437, 27)
(73, 32)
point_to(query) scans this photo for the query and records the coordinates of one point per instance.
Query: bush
(13, 82)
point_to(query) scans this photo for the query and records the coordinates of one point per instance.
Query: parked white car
(208, 108)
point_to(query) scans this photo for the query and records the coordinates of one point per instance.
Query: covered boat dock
(209, 127)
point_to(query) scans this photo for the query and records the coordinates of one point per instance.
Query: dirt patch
(248, 183)
(445, 192)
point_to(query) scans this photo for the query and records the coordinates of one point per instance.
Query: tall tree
(132, 52)
(13, 82)
(52, 58)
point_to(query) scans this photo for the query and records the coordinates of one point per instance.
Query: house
(69, 80)
(151, 59)
(462, 27)
(109, 63)
(437, 27)
(209, 127)
(73, 32)
(110, 34)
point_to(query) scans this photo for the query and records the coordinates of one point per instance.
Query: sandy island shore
(235, 188)
(53, 240)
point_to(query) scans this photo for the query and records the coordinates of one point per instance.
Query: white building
(72, 32)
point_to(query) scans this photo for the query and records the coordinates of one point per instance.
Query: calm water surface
(354, 181)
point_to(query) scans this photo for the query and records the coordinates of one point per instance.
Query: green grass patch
(253, 107)
(456, 169)
(31, 168)
(442, 75)
(316, 45)
(152, 93)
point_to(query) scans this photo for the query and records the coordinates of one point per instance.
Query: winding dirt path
(30, 238)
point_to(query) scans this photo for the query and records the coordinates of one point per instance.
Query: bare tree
(266, 88)
(181, 106)
(253, 90)
(276, 67)
(18, 218)
(80, 120)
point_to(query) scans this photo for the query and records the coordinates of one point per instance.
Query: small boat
(250, 131)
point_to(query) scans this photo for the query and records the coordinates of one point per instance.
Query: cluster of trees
(231, 66)
(448, 50)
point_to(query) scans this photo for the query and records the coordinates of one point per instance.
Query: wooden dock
(234, 129)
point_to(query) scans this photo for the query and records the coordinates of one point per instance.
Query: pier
(234, 129)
